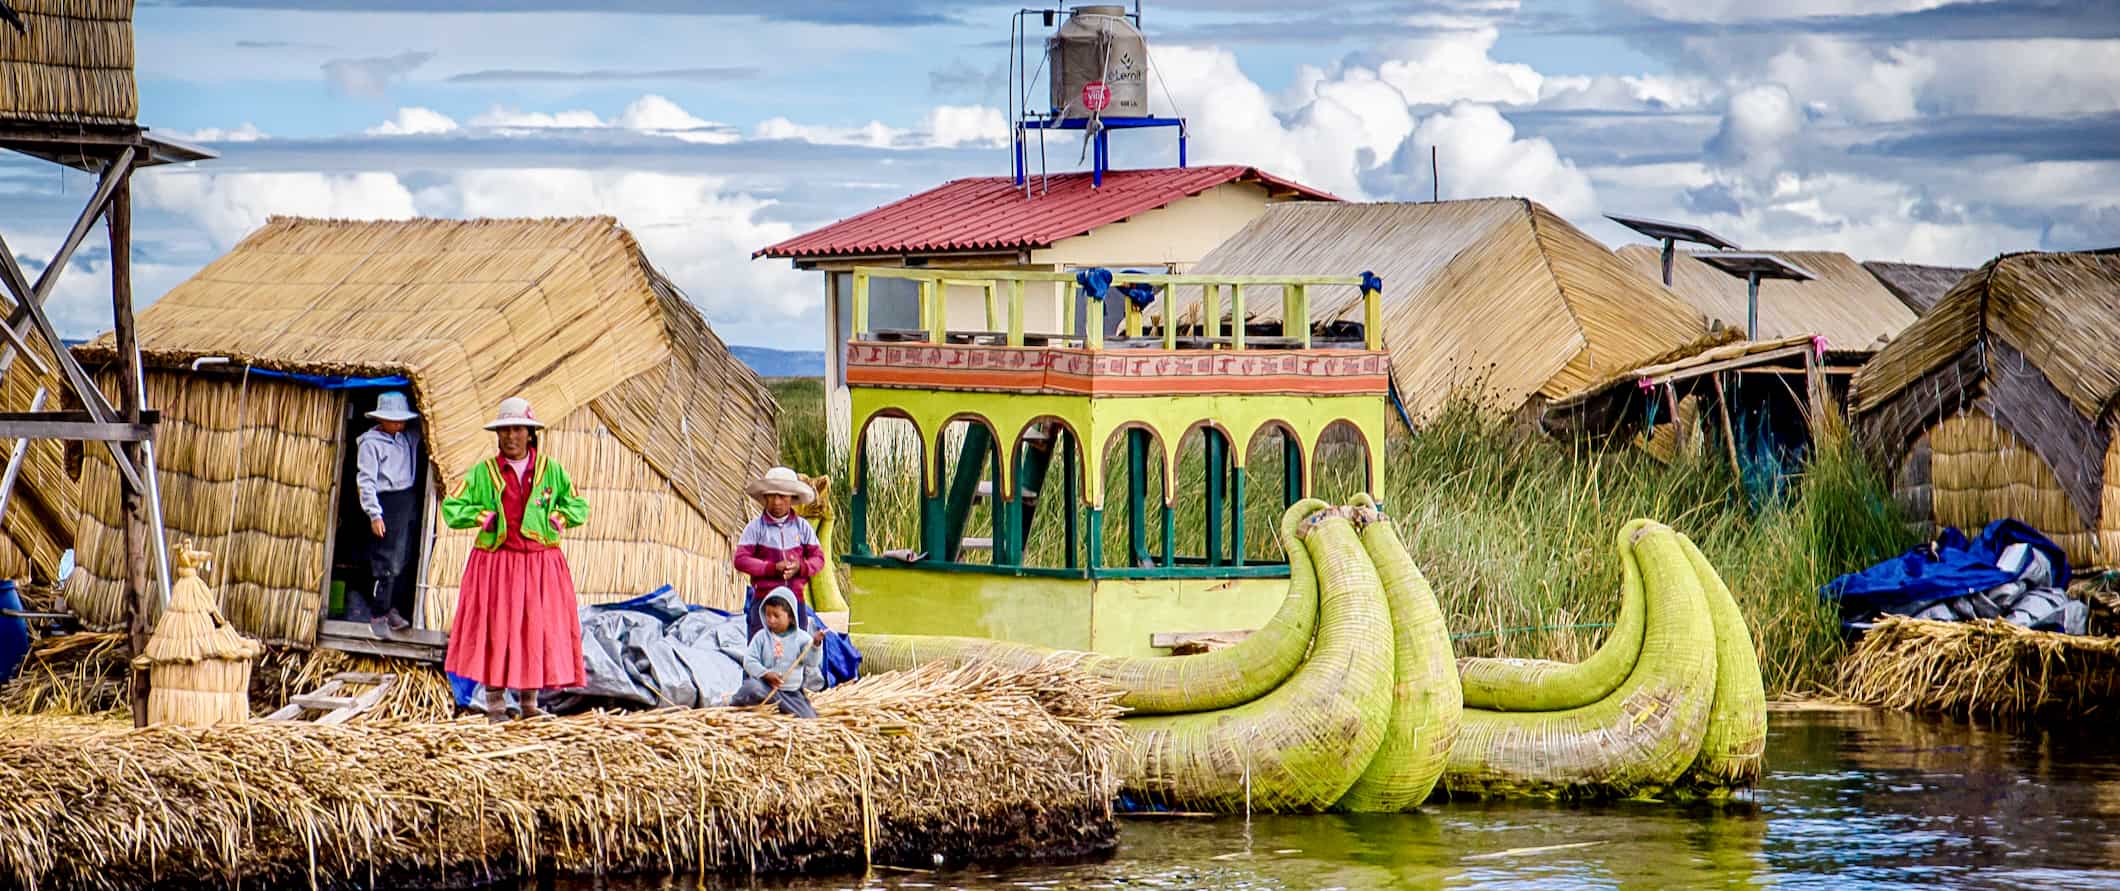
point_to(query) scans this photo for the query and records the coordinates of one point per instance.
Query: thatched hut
(1845, 304)
(1916, 285)
(1498, 294)
(2000, 402)
(305, 322)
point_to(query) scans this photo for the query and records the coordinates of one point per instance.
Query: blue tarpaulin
(1949, 567)
(336, 381)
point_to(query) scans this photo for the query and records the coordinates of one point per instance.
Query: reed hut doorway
(349, 543)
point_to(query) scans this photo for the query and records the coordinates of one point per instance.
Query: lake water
(1852, 799)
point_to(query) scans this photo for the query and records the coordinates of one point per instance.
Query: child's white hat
(781, 481)
(392, 406)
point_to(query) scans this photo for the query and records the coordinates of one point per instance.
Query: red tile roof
(991, 212)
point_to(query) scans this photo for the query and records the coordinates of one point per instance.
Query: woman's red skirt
(516, 625)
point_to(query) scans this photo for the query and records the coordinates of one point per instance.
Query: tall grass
(1515, 529)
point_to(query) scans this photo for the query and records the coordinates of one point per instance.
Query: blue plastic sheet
(1948, 567)
(14, 633)
(334, 381)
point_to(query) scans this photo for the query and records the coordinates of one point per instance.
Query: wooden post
(1236, 317)
(1722, 407)
(1300, 296)
(990, 290)
(138, 602)
(1212, 319)
(1015, 313)
(1372, 320)
(1236, 513)
(1136, 497)
(1070, 495)
(1093, 321)
(1217, 477)
(861, 308)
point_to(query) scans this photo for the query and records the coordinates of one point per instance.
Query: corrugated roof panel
(992, 213)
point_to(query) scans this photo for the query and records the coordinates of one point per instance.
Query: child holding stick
(781, 658)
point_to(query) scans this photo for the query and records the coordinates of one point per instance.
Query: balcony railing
(1296, 322)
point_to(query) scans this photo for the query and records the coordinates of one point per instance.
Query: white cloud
(249, 132)
(1627, 92)
(1753, 10)
(499, 118)
(230, 205)
(372, 77)
(944, 126)
(1758, 129)
(1455, 67)
(1353, 131)
(414, 121)
(653, 112)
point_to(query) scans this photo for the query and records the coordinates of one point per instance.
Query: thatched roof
(2027, 339)
(2062, 311)
(1845, 304)
(1499, 293)
(563, 312)
(72, 62)
(1917, 286)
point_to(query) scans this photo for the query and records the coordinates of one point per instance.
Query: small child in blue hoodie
(781, 657)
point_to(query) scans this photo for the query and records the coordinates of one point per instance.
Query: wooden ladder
(337, 709)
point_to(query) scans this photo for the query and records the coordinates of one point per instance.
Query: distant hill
(769, 362)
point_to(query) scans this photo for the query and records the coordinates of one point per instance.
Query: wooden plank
(359, 704)
(418, 652)
(315, 702)
(339, 628)
(77, 431)
(1164, 640)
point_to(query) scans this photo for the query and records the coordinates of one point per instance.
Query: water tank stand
(1100, 142)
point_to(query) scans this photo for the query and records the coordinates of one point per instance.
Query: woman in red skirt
(516, 626)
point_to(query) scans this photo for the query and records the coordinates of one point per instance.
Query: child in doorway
(387, 465)
(778, 549)
(782, 658)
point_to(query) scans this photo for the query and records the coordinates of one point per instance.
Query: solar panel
(1746, 265)
(1665, 230)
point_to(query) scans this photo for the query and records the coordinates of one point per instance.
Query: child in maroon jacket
(778, 549)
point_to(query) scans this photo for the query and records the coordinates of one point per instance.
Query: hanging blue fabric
(1372, 282)
(336, 381)
(1141, 293)
(1095, 282)
(1949, 567)
(14, 633)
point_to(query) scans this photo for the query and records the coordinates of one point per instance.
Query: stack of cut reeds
(1985, 668)
(72, 675)
(199, 665)
(900, 768)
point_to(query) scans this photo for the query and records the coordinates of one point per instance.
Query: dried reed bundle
(960, 763)
(73, 674)
(1987, 668)
(199, 665)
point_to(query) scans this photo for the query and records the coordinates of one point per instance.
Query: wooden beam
(1722, 407)
(77, 431)
(1164, 640)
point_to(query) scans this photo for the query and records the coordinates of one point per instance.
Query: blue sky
(1923, 130)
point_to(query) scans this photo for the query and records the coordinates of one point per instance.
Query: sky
(1931, 131)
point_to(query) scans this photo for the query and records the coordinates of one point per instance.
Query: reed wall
(72, 63)
(248, 472)
(1982, 472)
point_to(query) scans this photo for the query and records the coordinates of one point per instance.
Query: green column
(963, 489)
(1236, 517)
(1217, 477)
(1070, 498)
(858, 511)
(1094, 543)
(1008, 512)
(1136, 497)
(1291, 471)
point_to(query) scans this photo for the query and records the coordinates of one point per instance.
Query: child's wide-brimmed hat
(392, 406)
(781, 481)
(515, 412)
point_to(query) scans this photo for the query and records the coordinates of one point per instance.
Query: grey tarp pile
(2031, 601)
(654, 651)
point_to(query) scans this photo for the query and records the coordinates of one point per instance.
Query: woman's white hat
(392, 406)
(515, 412)
(781, 481)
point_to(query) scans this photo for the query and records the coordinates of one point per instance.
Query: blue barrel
(14, 633)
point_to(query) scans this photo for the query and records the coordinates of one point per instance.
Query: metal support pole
(14, 458)
(1670, 255)
(1752, 306)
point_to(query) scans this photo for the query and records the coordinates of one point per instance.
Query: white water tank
(1099, 44)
